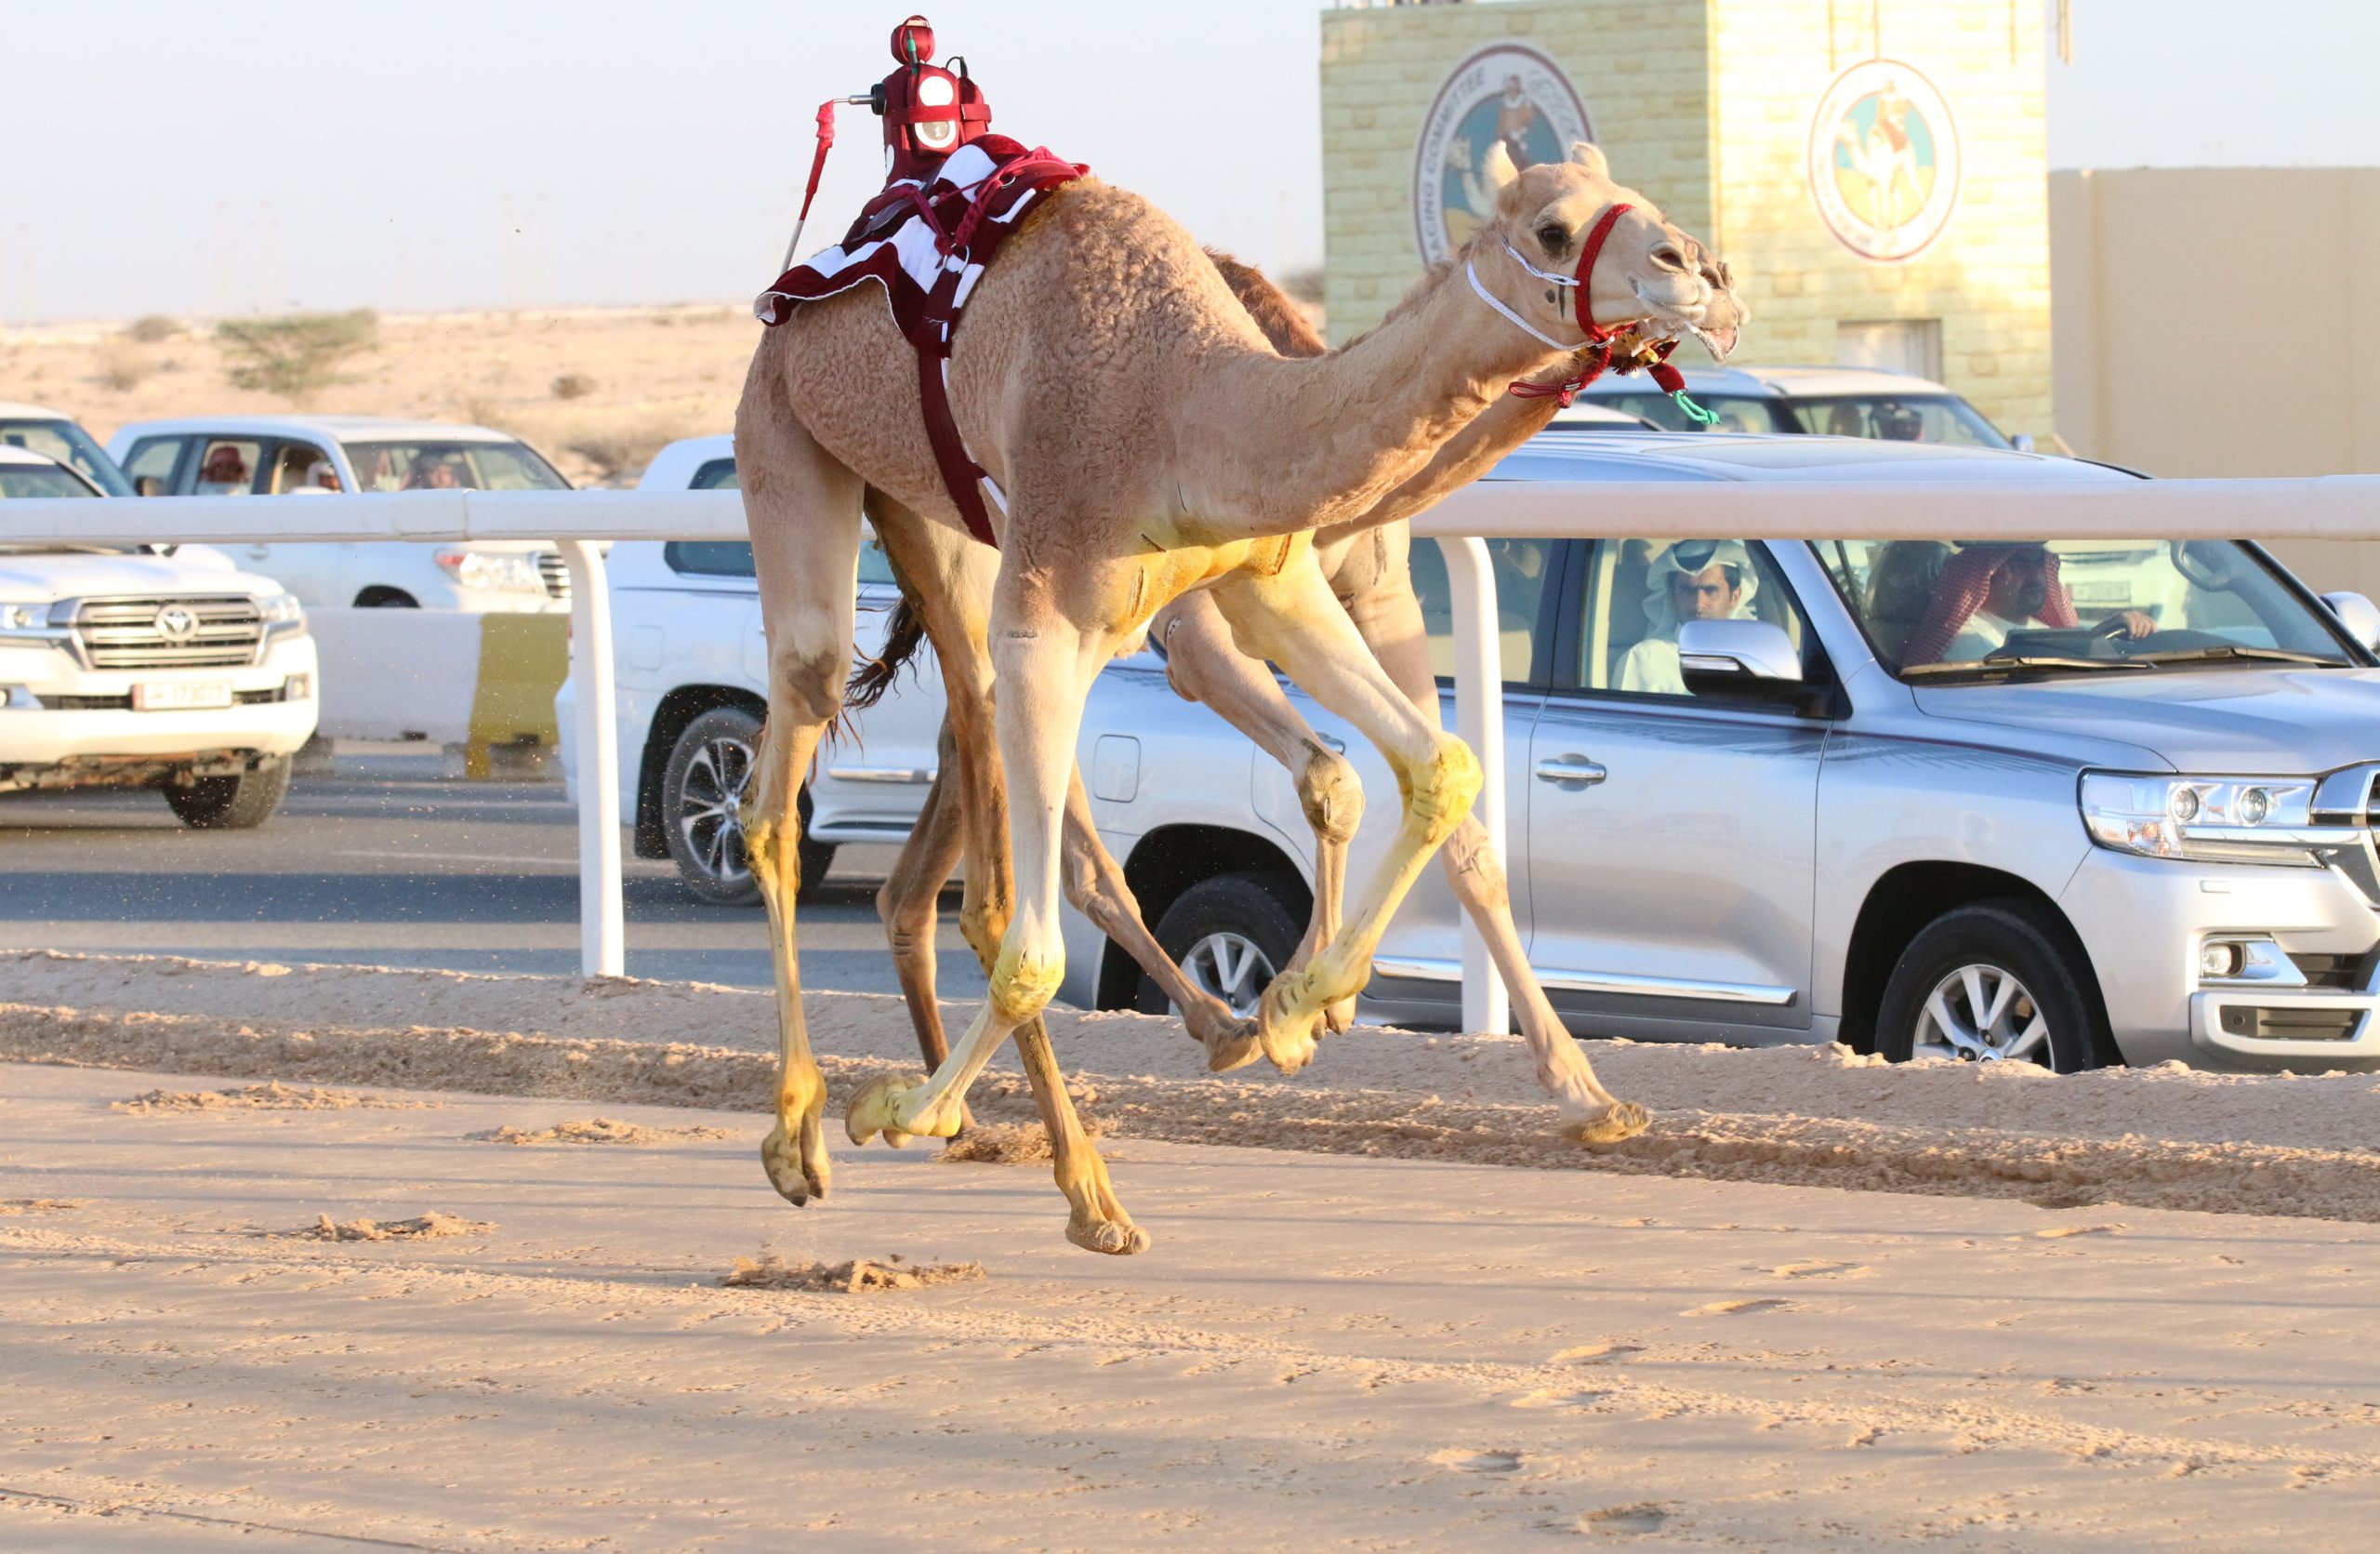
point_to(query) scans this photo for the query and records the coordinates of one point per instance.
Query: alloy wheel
(1982, 1013)
(1231, 967)
(710, 809)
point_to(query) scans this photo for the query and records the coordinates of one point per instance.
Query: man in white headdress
(1694, 579)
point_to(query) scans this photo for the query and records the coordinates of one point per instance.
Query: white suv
(124, 667)
(53, 433)
(282, 455)
(691, 671)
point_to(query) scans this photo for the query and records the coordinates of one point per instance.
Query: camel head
(1646, 272)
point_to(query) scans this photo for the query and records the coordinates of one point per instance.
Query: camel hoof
(1609, 1125)
(876, 1109)
(1114, 1238)
(1337, 1017)
(1234, 1047)
(1288, 1039)
(798, 1170)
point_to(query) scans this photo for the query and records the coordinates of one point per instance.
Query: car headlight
(2209, 819)
(491, 569)
(282, 613)
(24, 617)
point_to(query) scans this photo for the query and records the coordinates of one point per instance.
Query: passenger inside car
(224, 471)
(1694, 579)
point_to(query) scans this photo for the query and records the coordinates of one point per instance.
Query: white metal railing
(2333, 507)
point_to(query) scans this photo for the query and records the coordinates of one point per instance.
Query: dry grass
(646, 383)
(573, 385)
(152, 329)
(123, 369)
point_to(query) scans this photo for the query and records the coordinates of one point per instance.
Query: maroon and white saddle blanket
(927, 245)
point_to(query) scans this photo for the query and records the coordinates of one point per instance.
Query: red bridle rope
(1596, 357)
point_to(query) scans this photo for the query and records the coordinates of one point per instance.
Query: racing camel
(1149, 441)
(1366, 562)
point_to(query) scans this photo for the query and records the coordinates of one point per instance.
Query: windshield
(1895, 419)
(451, 466)
(1736, 412)
(33, 480)
(68, 444)
(1931, 609)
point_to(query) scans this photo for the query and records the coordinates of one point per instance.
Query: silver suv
(2075, 803)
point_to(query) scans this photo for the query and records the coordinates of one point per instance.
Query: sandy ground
(339, 1256)
(1318, 1350)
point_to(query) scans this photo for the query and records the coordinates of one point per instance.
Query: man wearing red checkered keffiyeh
(1985, 591)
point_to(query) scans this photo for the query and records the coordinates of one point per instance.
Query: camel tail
(869, 683)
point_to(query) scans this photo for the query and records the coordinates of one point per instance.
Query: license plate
(165, 696)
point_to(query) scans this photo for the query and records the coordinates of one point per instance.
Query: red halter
(1598, 337)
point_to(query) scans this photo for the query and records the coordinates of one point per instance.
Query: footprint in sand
(2058, 1232)
(1597, 1354)
(1568, 1402)
(1819, 1270)
(1465, 1461)
(1740, 1308)
(1626, 1520)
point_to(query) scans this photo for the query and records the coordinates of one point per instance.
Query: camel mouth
(1719, 342)
(1683, 316)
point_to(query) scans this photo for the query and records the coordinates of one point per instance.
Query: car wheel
(1999, 981)
(702, 810)
(385, 599)
(1230, 936)
(240, 803)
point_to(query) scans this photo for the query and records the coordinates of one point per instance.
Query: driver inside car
(1986, 593)
(1694, 579)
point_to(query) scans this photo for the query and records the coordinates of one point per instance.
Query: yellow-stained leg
(803, 509)
(1293, 618)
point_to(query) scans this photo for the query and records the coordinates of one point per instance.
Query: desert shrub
(618, 451)
(297, 356)
(152, 329)
(573, 385)
(121, 369)
(1303, 284)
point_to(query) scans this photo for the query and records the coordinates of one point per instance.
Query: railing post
(1479, 719)
(602, 935)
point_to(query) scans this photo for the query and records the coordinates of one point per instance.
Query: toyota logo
(176, 623)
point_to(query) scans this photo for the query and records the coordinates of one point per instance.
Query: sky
(261, 156)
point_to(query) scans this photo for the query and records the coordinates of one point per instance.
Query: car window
(448, 466)
(732, 558)
(1524, 570)
(227, 467)
(21, 480)
(717, 474)
(1736, 412)
(70, 445)
(1895, 419)
(154, 458)
(301, 467)
(1639, 590)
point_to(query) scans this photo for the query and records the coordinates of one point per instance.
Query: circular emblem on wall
(1503, 95)
(1883, 159)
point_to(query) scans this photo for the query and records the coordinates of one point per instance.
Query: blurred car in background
(1828, 402)
(691, 669)
(147, 667)
(283, 456)
(55, 434)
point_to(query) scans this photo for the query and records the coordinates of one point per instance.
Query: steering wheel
(2114, 628)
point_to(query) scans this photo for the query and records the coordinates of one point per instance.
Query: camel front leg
(1388, 616)
(1204, 665)
(909, 902)
(1294, 619)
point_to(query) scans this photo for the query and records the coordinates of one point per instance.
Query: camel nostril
(1669, 258)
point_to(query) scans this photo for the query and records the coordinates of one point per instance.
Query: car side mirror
(2359, 614)
(1747, 660)
(149, 486)
(2022, 442)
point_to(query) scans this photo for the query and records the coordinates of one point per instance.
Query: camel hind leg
(803, 509)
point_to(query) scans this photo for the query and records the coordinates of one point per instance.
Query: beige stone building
(1872, 170)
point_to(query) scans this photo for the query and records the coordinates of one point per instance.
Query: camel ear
(1499, 167)
(1587, 154)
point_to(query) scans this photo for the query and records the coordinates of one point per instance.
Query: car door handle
(1570, 768)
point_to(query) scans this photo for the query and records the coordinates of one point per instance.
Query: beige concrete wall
(2224, 321)
(1641, 68)
(1986, 277)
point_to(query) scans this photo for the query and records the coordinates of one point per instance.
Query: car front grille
(555, 572)
(222, 631)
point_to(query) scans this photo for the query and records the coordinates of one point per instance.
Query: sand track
(2165, 1138)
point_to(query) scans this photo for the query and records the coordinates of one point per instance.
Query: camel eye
(1553, 238)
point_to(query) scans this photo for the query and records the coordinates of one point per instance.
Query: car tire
(385, 599)
(2021, 965)
(1230, 934)
(702, 804)
(240, 803)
